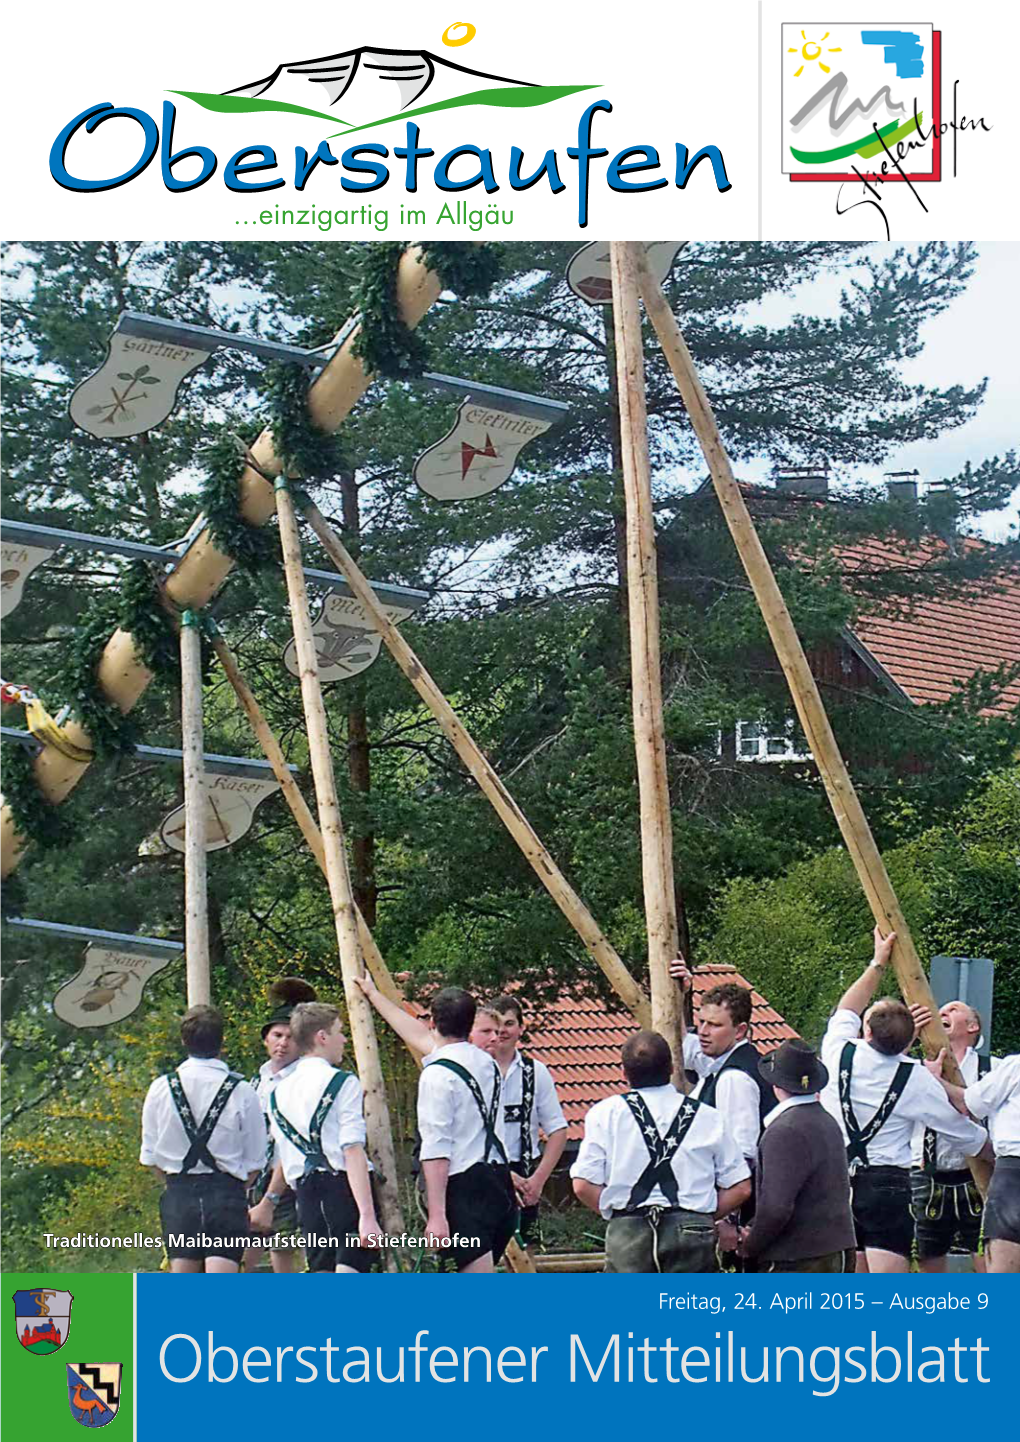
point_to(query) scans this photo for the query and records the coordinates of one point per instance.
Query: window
(756, 743)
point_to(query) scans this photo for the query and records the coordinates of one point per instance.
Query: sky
(976, 337)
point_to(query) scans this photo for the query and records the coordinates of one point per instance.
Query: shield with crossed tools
(346, 642)
(230, 805)
(135, 388)
(110, 984)
(588, 273)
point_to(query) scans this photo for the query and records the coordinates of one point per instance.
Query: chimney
(811, 480)
(901, 485)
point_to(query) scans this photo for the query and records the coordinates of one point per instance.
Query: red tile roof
(579, 1040)
(940, 643)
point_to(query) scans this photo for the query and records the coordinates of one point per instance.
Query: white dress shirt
(923, 1099)
(267, 1084)
(546, 1113)
(238, 1141)
(613, 1154)
(449, 1121)
(997, 1097)
(737, 1096)
(948, 1156)
(297, 1096)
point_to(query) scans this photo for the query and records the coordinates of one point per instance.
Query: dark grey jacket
(803, 1189)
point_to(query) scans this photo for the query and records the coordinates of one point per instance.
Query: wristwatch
(274, 1197)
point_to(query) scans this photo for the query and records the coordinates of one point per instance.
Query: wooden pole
(518, 1258)
(645, 668)
(846, 806)
(202, 569)
(359, 1011)
(196, 900)
(569, 903)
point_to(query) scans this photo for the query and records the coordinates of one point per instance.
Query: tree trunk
(619, 499)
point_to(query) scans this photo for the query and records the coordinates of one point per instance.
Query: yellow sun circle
(449, 38)
(815, 49)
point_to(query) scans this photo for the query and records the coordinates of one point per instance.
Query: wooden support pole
(359, 1011)
(196, 899)
(646, 680)
(569, 903)
(846, 806)
(517, 1256)
(202, 569)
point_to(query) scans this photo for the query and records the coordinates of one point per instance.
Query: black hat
(795, 1067)
(284, 995)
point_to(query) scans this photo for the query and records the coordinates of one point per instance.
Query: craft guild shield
(43, 1318)
(478, 455)
(18, 563)
(230, 803)
(345, 641)
(588, 273)
(93, 1392)
(109, 986)
(136, 387)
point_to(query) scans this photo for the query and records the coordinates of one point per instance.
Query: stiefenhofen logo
(855, 96)
(365, 89)
(863, 105)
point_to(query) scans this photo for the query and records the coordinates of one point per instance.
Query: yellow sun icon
(812, 50)
(453, 35)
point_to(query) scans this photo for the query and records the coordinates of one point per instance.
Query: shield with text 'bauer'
(230, 804)
(43, 1318)
(93, 1392)
(17, 562)
(588, 273)
(110, 984)
(346, 642)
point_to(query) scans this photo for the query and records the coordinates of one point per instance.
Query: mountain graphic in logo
(370, 86)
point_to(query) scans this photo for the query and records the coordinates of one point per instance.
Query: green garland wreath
(303, 449)
(251, 547)
(34, 817)
(384, 343)
(76, 680)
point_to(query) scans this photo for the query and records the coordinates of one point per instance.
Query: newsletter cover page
(511, 717)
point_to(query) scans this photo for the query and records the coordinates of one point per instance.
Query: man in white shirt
(418, 1034)
(997, 1097)
(272, 1206)
(659, 1166)
(878, 1095)
(204, 1137)
(318, 1122)
(947, 1205)
(530, 1106)
(719, 1051)
(472, 1212)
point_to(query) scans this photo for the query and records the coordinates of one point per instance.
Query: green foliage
(253, 548)
(385, 344)
(76, 682)
(802, 938)
(304, 451)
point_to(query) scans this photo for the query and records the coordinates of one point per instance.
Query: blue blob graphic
(902, 48)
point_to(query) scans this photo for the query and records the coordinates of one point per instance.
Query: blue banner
(249, 1348)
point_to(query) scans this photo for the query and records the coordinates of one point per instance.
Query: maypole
(846, 806)
(196, 901)
(646, 680)
(203, 568)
